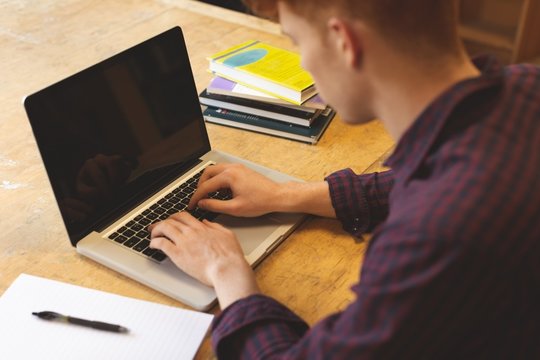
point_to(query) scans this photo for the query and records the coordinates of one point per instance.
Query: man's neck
(406, 89)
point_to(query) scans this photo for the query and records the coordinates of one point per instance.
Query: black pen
(50, 315)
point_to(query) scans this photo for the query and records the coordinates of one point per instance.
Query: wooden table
(44, 41)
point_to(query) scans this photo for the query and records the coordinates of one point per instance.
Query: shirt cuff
(349, 201)
(360, 201)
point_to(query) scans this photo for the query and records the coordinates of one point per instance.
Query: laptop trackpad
(251, 232)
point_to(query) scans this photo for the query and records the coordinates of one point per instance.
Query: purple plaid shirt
(453, 267)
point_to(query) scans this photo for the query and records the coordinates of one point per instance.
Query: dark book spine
(261, 124)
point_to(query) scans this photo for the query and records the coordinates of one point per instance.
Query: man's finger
(185, 221)
(219, 206)
(153, 225)
(212, 224)
(208, 186)
(212, 171)
(167, 229)
(163, 244)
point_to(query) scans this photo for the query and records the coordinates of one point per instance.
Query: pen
(53, 316)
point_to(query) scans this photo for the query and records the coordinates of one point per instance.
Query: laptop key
(179, 207)
(143, 244)
(143, 234)
(131, 242)
(187, 192)
(223, 195)
(128, 233)
(149, 252)
(167, 205)
(176, 198)
(120, 239)
(198, 213)
(145, 222)
(164, 216)
(159, 256)
(210, 216)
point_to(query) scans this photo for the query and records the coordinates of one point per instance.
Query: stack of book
(263, 88)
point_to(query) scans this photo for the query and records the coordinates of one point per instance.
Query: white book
(222, 86)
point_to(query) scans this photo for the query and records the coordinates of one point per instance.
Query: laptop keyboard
(134, 234)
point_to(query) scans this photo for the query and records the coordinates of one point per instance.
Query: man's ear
(346, 40)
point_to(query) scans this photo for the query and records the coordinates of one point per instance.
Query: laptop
(123, 143)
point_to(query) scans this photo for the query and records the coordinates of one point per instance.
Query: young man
(453, 267)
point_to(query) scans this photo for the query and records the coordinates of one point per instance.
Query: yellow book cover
(280, 66)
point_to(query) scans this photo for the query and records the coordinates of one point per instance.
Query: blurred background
(229, 4)
(509, 29)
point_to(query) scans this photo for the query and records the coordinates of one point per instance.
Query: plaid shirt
(453, 267)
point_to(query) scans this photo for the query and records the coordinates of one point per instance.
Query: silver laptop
(123, 143)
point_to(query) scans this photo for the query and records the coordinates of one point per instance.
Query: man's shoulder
(461, 200)
(522, 70)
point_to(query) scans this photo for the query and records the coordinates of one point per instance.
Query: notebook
(155, 331)
(122, 143)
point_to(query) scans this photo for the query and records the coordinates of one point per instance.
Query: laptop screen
(112, 134)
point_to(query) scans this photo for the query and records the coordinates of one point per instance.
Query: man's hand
(208, 252)
(252, 193)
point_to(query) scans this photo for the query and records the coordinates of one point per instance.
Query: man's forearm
(310, 198)
(234, 283)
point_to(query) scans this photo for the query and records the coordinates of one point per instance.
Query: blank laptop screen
(112, 134)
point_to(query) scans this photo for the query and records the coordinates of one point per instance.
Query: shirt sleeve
(256, 327)
(360, 201)
(397, 308)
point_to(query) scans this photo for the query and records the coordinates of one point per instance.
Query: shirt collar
(415, 143)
